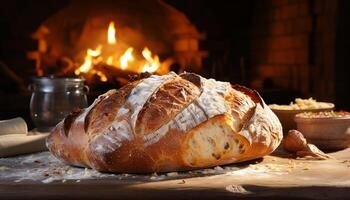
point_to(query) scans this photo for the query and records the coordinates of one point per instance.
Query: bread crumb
(255, 167)
(3, 168)
(69, 172)
(172, 174)
(271, 166)
(208, 171)
(291, 164)
(45, 174)
(87, 172)
(236, 189)
(306, 166)
(218, 168)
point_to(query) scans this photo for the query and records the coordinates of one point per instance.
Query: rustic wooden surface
(272, 177)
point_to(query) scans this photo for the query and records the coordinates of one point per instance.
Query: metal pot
(54, 98)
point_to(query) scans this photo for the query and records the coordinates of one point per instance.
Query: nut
(295, 141)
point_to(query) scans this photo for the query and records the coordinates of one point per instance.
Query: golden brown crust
(170, 99)
(104, 112)
(68, 121)
(168, 123)
(70, 138)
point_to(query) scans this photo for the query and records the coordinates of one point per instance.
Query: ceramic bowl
(327, 133)
(286, 117)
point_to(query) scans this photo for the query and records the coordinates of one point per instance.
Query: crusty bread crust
(167, 123)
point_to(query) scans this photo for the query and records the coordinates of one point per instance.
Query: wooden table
(273, 176)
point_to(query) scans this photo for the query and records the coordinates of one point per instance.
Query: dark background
(248, 42)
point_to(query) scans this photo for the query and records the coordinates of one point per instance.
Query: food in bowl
(327, 130)
(302, 104)
(286, 113)
(323, 114)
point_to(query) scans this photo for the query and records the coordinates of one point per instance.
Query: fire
(110, 60)
(87, 65)
(126, 57)
(102, 76)
(127, 61)
(94, 53)
(152, 63)
(111, 39)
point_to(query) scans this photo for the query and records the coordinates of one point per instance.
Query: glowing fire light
(126, 57)
(152, 64)
(111, 39)
(87, 65)
(94, 52)
(102, 76)
(110, 60)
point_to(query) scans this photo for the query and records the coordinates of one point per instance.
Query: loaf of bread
(167, 123)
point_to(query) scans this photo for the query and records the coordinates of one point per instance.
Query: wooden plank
(274, 176)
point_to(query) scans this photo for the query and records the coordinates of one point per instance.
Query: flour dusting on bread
(142, 92)
(210, 103)
(169, 123)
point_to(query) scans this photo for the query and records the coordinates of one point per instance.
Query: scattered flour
(45, 168)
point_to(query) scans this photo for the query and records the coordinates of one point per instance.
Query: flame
(94, 52)
(86, 66)
(152, 64)
(102, 76)
(88, 61)
(126, 57)
(110, 60)
(149, 63)
(111, 34)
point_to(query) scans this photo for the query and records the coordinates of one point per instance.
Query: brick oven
(283, 49)
(110, 40)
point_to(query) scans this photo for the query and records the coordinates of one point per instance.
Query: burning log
(114, 73)
(103, 66)
(167, 33)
